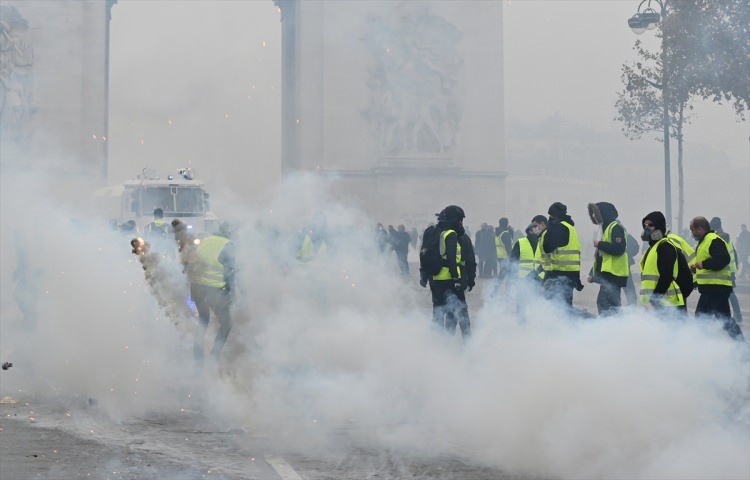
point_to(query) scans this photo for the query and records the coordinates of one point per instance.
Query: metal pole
(665, 125)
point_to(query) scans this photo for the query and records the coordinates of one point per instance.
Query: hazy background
(199, 82)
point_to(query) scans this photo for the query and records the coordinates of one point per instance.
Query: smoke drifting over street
(338, 352)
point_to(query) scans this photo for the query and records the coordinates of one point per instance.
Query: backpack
(430, 260)
(684, 278)
(633, 245)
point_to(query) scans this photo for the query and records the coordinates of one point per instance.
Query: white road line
(285, 471)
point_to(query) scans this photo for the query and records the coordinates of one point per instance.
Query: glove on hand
(457, 284)
(422, 282)
(471, 285)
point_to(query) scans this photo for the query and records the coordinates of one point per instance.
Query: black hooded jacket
(615, 248)
(451, 242)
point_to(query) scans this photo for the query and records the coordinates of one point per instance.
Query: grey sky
(212, 69)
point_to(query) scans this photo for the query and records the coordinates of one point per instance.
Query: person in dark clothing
(401, 240)
(659, 289)
(561, 255)
(715, 223)
(503, 245)
(611, 269)
(713, 276)
(459, 268)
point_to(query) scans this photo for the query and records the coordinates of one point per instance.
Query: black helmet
(452, 212)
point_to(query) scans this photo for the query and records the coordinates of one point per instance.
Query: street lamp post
(639, 23)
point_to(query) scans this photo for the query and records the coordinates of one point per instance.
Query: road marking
(285, 471)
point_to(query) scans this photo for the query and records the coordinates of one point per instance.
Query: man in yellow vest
(659, 267)
(447, 287)
(561, 256)
(713, 276)
(159, 228)
(611, 268)
(209, 289)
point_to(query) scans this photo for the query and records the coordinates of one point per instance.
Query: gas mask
(651, 234)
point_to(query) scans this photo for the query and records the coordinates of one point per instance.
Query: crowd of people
(546, 258)
(543, 260)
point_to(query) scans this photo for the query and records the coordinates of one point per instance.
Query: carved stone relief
(16, 62)
(413, 73)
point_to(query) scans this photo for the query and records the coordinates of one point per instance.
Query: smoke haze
(339, 352)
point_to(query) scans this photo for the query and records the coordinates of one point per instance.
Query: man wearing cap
(659, 288)
(713, 276)
(561, 255)
(447, 287)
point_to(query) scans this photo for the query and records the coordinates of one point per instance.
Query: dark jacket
(468, 257)
(616, 247)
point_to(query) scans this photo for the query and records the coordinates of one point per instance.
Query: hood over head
(657, 218)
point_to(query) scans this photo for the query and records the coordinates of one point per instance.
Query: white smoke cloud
(339, 352)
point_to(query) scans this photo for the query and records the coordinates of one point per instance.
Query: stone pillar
(54, 88)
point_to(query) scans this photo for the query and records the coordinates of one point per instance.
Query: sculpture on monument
(413, 73)
(16, 60)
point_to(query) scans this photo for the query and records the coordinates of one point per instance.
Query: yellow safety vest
(566, 258)
(543, 257)
(650, 277)
(615, 264)
(710, 277)
(687, 250)
(500, 246)
(158, 225)
(528, 260)
(209, 271)
(308, 251)
(445, 273)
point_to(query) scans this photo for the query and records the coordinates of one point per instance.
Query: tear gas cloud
(339, 352)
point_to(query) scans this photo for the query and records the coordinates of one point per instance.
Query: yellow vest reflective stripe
(500, 246)
(543, 257)
(210, 271)
(309, 250)
(527, 258)
(650, 277)
(615, 264)
(687, 250)
(160, 225)
(445, 273)
(568, 257)
(710, 277)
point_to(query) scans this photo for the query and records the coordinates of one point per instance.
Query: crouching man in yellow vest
(209, 272)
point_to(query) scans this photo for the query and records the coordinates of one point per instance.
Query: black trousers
(608, 302)
(449, 307)
(217, 300)
(559, 288)
(716, 305)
